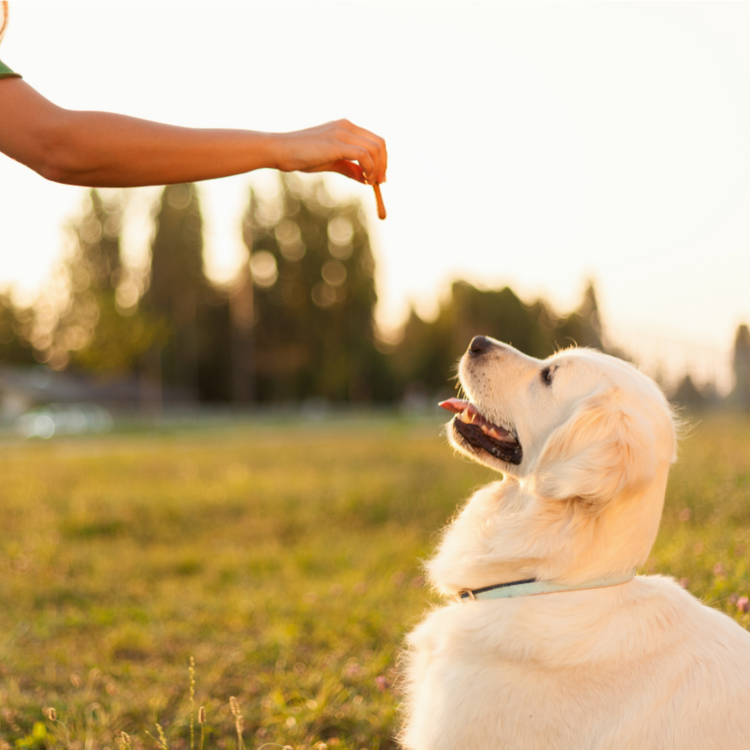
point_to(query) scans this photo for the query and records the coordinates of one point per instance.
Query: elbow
(56, 166)
(54, 171)
(56, 156)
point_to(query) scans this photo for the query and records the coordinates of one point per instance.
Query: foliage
(296, 324)
(740, 396)
(688, 396)
(312, 272)
(15, 334)
(96, 331)
(283, 557)
(429, 350)
(178, 288)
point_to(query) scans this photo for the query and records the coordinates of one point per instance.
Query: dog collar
(531, 587)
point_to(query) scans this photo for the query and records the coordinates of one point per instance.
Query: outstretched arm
(101, 149)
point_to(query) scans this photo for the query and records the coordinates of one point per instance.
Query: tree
(100, 328)
(15, 333)
(428, 352)
(177, 284)
(688, 395)
(242, 320)
(313, 296)
(582, 327)
(740, 396)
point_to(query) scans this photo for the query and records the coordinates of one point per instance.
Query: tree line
(296, 323)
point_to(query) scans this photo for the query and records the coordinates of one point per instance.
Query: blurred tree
(177, 288)
(426, 355)
(214, 346)
(740, 396)
(297, 323)
(582, 327)
(688, 396)
(241, 305)
(242, 319)
(312, 299)
(428, 352)
(100, 328)
(15, 333)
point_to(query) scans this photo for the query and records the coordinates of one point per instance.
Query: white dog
(554, 644)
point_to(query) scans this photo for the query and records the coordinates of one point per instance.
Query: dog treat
(379, 200)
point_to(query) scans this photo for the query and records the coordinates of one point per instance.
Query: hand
(338, 146)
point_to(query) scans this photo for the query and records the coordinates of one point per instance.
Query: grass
(283, 560)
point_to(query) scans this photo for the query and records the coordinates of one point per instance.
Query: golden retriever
(602, 659)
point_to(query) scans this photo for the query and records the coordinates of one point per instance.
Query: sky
(531, 144)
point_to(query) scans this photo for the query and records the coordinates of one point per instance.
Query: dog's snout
(480, 345)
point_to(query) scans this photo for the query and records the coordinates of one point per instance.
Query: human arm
(101, 149)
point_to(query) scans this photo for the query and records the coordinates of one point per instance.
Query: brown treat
(379, 199)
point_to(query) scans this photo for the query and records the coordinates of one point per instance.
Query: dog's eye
(547, 373)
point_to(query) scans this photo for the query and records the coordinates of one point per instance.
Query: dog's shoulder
(647, 616)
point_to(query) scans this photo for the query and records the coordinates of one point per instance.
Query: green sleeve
(6, 72)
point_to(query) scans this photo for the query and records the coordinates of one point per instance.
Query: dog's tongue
(455, 405)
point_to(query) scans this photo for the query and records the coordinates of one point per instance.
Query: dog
(575, 653)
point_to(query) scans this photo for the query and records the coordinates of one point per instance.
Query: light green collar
(531, 587)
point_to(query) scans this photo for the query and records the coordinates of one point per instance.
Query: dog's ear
(603, 451)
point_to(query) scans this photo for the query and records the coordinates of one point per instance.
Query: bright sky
(530, 144)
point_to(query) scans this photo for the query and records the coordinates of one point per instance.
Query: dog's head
(581, 433)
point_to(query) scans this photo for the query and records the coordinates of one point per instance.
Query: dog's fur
(637, 666)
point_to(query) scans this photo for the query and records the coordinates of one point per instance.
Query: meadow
(282, 560)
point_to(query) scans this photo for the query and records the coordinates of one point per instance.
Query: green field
(285, 559)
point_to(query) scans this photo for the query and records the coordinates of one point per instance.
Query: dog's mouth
(480, 434)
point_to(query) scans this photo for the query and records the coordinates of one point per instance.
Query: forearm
(100, 149)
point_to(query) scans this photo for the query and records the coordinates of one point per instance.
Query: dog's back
(643, 666)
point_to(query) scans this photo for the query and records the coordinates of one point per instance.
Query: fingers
(360, 153)
(338, 146)
(373, 144)
(347, 168)
(346, 152)
(354, 171)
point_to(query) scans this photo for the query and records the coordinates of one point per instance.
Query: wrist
(274, 151)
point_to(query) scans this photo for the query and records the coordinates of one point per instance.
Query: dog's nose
(480, 345)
